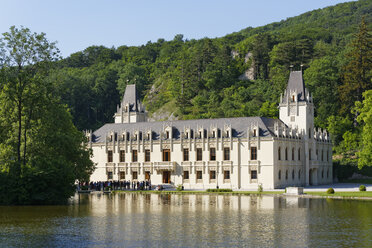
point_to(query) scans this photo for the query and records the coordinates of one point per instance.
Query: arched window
(292, 153)
(299, 174)
(292, 174)
(279, 153)
(286, 175)
(286, 153)
(299, 153)
(280, 175)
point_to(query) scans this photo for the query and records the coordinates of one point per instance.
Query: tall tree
(357, 72)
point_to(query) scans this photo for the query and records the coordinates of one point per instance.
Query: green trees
(41, 151)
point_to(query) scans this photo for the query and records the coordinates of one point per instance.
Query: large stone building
(237, 153)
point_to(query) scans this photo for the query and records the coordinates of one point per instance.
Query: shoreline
(337, 195)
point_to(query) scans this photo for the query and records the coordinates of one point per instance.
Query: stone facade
(237, 153)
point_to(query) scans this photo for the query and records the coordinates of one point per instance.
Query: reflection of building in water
(229, 152)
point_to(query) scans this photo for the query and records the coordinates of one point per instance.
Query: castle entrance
(166, 176)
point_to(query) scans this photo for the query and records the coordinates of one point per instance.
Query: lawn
(343, 194)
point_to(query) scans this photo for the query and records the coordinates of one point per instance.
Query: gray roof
(296, 83)
(238, 125)
(131, 97)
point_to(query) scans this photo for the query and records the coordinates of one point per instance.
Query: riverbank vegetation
(41, 151)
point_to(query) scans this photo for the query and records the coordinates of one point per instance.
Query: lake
(152, 220)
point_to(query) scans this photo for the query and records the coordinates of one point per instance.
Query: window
(322, 155)
(327, 173)
(253, 153)
(226, 174)
(212, 175)
(122, 175)
(186, 175)
(293, 98)
(187, 135)
(253, 174)
(212, 154)
(309, 154)
(309, 133)
(147, 155)
(227, 134)
(292, 153)
(254, 133)
(286, 175)
(226, 153)
(293, 175)
(327, 156)
(322, 173)
(167, 134)
(279, 154)
(299, 174)
(109, 156)
(299, 154)
(316, 152)
(134, 175)
(200, 134)
(134, 156)
(109, 175)
(199, 154)
(286, 153)
(166, 155)
(185, 154)
(214, 134)
(147, 175)
(280, 175)
(199, 175)
(122, 156)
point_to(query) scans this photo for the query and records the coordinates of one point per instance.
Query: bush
(362, 188)
(219, 190)
(330, 191)
(260, 188)
(179, 187)
(108, 188)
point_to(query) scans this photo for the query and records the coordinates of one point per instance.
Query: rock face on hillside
(248, 74)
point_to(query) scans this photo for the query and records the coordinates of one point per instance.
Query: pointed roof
(131, 97)
(296, 84)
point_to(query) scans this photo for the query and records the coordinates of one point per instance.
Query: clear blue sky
(77, 24)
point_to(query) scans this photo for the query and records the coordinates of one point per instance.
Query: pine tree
(357, 72)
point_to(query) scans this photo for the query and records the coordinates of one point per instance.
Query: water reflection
(188, 221)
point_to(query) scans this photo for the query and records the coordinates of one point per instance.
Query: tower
(130, 109)
(296, 109)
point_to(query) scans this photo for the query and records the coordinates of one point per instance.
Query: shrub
(84, 187)
(108, 188)
(219, 190)
(362, 188)
(260, 188)
(179, 187)
(330, 191)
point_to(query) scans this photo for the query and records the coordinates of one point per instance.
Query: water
(135, 220)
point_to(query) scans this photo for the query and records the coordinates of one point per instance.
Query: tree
(357, 72)
(365, 119)
(41, 151)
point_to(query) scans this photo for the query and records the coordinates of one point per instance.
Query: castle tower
(296, 109)
(130, 109)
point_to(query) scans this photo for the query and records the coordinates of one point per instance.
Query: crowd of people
(115, 185)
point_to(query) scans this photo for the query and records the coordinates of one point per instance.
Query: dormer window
(254, 133)
(293, 98)
(214, 134)
(227, 134)
(167, 134)
(187, 135)
(200, 134)
(135, 137)
(126, 108)
(148, 136)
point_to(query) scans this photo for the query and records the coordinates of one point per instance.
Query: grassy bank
(192, 192)
(343, 194)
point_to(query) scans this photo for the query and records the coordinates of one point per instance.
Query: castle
(236, 153)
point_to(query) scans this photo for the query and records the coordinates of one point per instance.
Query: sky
(78, 24)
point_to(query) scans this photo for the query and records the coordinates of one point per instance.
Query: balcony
(167, 165)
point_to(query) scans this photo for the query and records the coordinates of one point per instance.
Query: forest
(240, 74)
